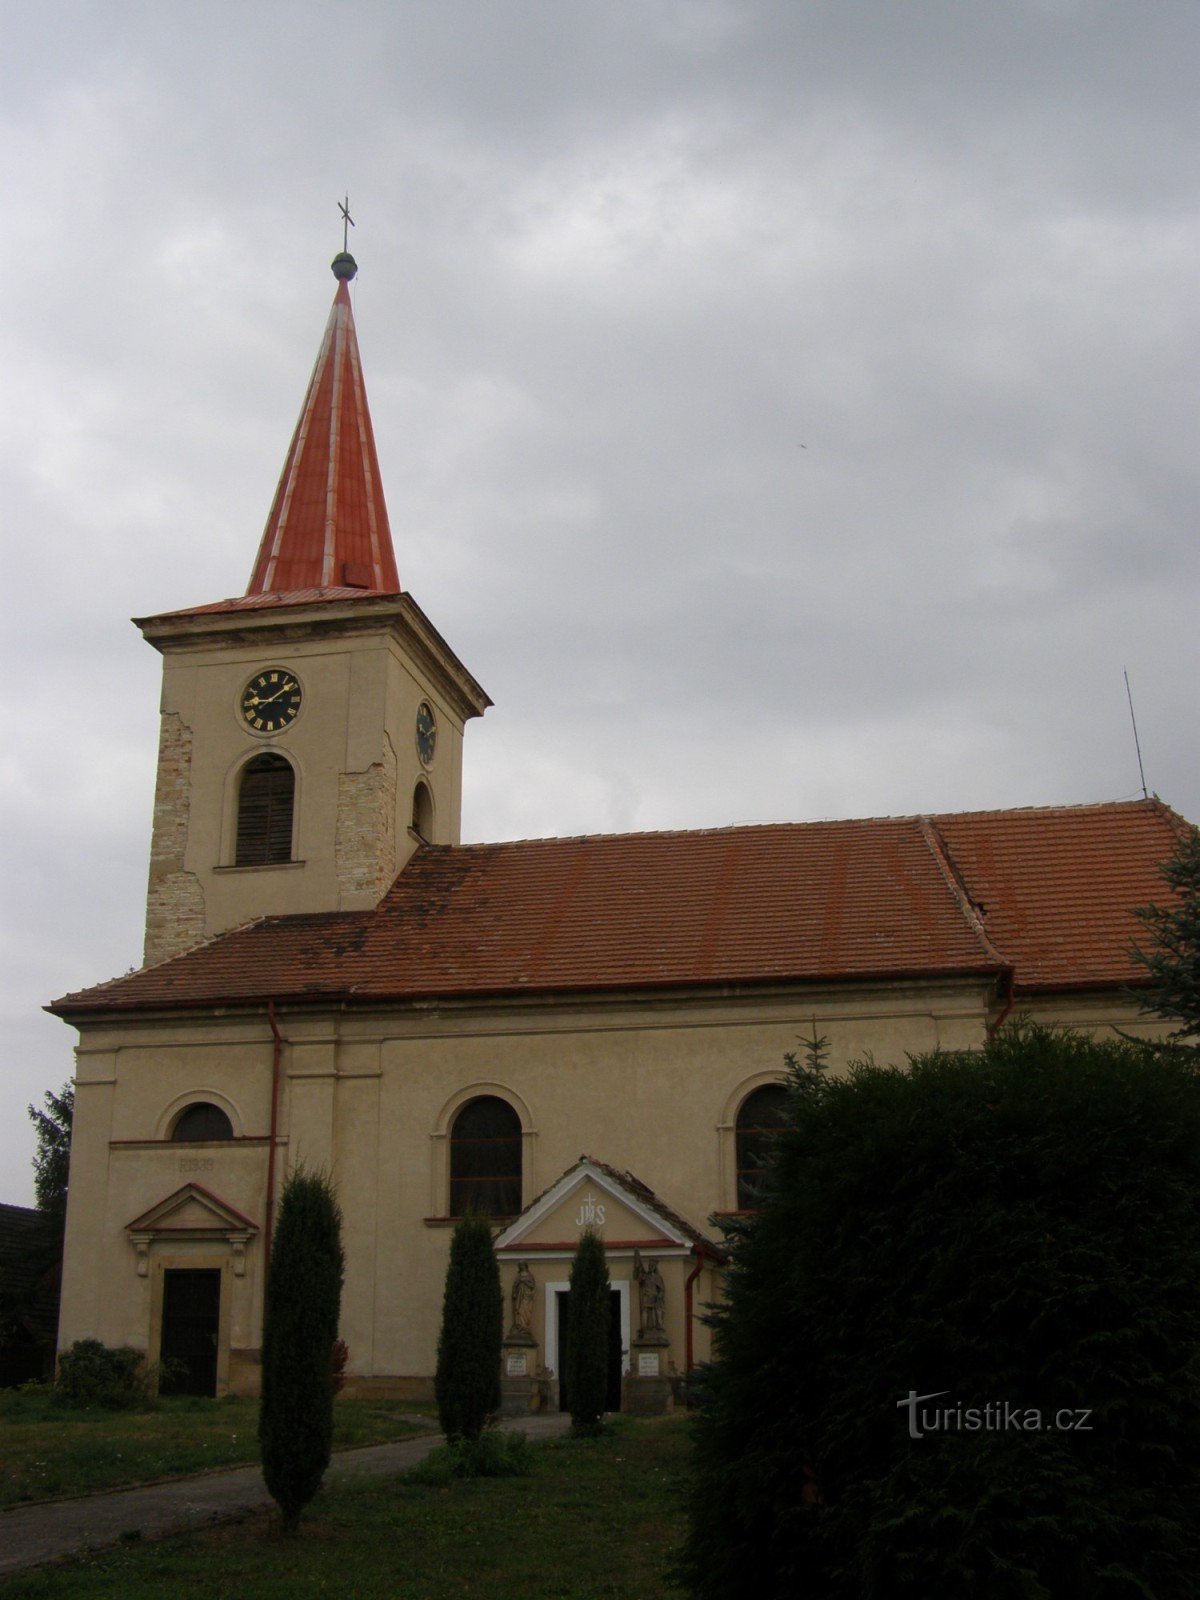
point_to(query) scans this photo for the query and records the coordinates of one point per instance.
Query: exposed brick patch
(174, 898)
(365, 841)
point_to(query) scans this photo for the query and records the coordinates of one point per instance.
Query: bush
(585, 1363)
(467, 1382)
(1016, 1226)
(494, 1454)
(92, 1374)
(300, 1324)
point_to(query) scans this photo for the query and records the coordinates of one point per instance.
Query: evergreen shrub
(1018, 1226)
(303, 1302)
(496, 1453)
(467, 1381)
(585, 1363)
(94, 1374)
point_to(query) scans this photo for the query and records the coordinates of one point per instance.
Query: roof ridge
(725, 829)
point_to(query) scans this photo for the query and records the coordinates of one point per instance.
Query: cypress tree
(467, 1384)
(300, 1324)
(586, 1360)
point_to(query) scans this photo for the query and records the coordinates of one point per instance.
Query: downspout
(1010, 984)
(276, 1060)
(689, 1356)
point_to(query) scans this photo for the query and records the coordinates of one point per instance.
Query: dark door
(190, 1321)
(612, 1400)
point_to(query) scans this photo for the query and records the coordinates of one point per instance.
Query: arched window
(485, 1159)
(266, 797)
(759, 1119)
(422, 811)
(201, 1120)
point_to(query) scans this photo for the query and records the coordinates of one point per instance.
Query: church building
(555, 1032)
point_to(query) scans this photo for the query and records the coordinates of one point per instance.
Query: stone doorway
(191, 1321)
(612, 1399)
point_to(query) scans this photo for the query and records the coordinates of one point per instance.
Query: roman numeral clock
(271, 700)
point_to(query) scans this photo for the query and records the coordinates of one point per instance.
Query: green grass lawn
(49, 1449)
(598, 1518)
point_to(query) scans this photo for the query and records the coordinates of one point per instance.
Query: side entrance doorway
(191, 1319)
(612, 1401)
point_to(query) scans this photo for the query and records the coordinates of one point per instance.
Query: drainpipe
(1009, 984)
(276, 1060)
(688, 1349)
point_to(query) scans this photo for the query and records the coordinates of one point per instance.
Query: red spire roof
(328, 527)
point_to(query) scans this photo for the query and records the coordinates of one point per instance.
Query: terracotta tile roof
(1042, 894)
(328, 525)
(1056, 885)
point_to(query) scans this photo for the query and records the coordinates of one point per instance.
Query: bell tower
(311, 733)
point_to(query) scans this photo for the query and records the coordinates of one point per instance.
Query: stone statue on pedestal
(652, 1299)
(522, 1302)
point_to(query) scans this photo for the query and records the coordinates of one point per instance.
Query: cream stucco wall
(649, 1087)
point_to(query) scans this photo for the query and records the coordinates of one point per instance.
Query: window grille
(485, 1159)
(761, 1116)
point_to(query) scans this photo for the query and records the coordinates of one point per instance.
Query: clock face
(270, 701)
(426, 732)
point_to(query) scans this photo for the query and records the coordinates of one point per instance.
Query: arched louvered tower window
(759, 1119)
(266, 800)
(201, 1120)
(485, 1159)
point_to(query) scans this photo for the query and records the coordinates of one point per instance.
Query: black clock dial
(270, 701)
(426, 732)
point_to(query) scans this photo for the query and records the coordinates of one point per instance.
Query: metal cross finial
(347, 222)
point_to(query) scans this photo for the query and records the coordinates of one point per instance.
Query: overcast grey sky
(786, 409)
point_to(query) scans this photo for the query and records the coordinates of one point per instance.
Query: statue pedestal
(647, 1387)
(519, 1389)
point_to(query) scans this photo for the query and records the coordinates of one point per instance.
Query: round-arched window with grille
(759, 1119)
(485, 1159)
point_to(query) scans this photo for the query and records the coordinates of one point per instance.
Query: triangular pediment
(194, 1211)
(625, 1213)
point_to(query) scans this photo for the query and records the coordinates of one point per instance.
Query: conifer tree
(1173, 963)
(467, 1383)
(1015, 1228)
(586, 1360)
(52, 1161)
(300, 1325)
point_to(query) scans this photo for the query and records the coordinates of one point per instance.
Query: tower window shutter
(266, 800)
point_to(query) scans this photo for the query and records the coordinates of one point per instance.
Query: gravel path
(31, 1535)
